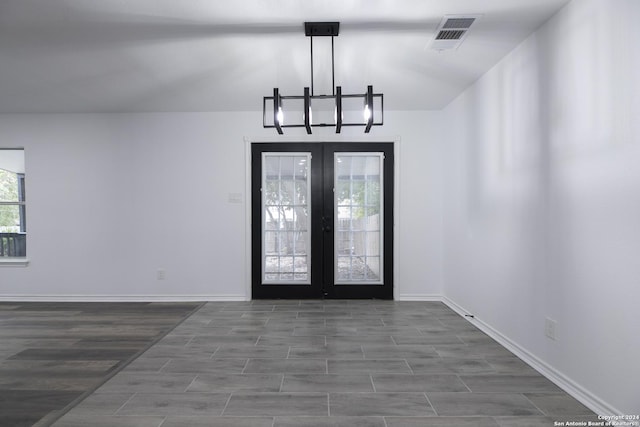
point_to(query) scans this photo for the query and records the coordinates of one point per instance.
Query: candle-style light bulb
(280, 116)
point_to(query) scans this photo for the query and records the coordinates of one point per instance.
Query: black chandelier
(276, 118)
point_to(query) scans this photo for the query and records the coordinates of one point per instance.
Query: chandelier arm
(369, 107)
(277, 108)
(307, 110)
(338, 109)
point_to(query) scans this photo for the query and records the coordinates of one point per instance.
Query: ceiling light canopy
(360, 109)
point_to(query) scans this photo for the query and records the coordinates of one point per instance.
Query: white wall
(112, 198)
(542, 199)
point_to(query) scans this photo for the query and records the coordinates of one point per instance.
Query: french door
(322, 220)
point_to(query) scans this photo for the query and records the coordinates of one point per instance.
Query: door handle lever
(326, 224)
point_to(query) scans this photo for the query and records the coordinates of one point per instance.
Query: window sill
(14, 262)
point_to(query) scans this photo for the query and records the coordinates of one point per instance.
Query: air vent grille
(459, 23)
(450, 35)
(453, 29)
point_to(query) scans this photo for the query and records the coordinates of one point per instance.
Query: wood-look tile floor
(326, 364)
(54, 354)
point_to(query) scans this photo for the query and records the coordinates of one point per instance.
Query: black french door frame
(322, 224)
(275, 291)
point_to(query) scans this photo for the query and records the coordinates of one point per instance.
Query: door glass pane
(358, 201)
(286, 235)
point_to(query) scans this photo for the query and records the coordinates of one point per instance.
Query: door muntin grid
(286, 218)
(359, 218)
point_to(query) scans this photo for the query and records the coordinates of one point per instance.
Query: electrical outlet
(550, 328)
(161, 274)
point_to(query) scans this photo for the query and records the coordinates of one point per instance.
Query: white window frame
(263, 184)
(380, 280)
(14, 261)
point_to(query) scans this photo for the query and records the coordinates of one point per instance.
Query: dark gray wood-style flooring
(326, 364)
(54, 354)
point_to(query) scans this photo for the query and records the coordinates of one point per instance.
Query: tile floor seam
(245, 365)
(431, 404)
(164, 365)
(190, 339)
(535, 406)
(214, 352)
(191, 383)
(406, 361)
(226, 404)
(328, 404)
(465, 384)
(125, 403)
(372, 383)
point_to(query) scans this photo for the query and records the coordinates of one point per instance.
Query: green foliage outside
(287, 200)
(9, 214)
(363, 195)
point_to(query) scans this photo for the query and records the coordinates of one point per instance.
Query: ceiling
(61, 56)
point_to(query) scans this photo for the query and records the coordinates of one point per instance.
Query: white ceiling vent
(452, 31)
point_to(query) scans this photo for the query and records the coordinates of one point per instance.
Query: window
(13, 225)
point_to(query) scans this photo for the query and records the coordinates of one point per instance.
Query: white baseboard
(419, 297)
(122, 298)
(574, 389)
